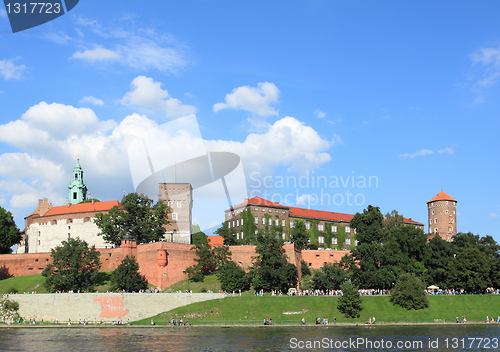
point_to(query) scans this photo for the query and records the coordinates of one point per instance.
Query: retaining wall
(106, 306)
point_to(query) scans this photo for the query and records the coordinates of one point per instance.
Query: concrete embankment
(106, 306)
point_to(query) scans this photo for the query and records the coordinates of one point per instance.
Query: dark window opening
(74, 195)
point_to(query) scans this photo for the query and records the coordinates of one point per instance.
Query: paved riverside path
(106, 306)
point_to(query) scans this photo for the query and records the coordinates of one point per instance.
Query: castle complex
(164, 263)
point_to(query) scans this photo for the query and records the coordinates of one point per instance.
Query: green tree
(208, 259)
(139, 218)
(369, 253)
(9, 233)
(271, 269)
(229, 238)
(349, 303)
(127, 277)
(299, 234)
(440, 256)
(409, 292)
(330, 277)
(75, 266)
(232, 277)
(304, 268)
(470, 270)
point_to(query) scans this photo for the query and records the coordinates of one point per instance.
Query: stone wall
(106, 306)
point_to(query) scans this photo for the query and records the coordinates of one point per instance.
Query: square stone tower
(179, 198)
(442, 214)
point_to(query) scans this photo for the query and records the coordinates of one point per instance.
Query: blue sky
(404, 93)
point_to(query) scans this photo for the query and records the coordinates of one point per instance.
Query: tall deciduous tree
(440, 256)
(271, 269)
(409, 292)
(9, 233)
(139, 218)
(209, 259)
(232, 277)
(299, 235)
(75, 266)
(470, 270)
(227, 235)
(127, 277)
(349, 303)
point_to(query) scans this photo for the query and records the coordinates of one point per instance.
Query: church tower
(442, 212)
(77, 188)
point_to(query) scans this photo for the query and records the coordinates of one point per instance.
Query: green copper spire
(77, 189)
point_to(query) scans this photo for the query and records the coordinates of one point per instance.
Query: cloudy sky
(332, 105)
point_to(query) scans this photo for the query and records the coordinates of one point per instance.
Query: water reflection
(124, 339)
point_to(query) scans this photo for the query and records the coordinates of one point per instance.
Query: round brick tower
(442, 214)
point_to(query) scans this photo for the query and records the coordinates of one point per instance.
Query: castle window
(256, 209)
(76, 176)
(292, 224)
(446, 211)
(430, 221)
(334, 241)
(348, 241)
(241, 222)
(276, 211)
(270, 222)
(347, 229)
(179, 204)
(433, 212)
(282, 212)
(334, 228)
(435, 220)
(321, 227)
(256, 220)
(284, 236)
(174, 216)
(283, 222)
(277, 222)
(238, 222)
(69, 227)
(170, 203)
(308, 226)
(270, 210)
(69, 221)
(435, 230)
(321, 239)
(263, 221)
(229, 224)
(74, 195)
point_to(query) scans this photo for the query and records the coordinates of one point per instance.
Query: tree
(229, 238)
(299, 235)
(75, 266)
(369, 253)
(139, 218)
(271, 270)
(127, 277)
(440, 256)
(349, 303)
(409, 292)
(209, 259)
(470, 270)
(330, 277)
(232, 277)
(9, 233)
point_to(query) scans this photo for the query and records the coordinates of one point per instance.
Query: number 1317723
(472, 342)
(33, 7)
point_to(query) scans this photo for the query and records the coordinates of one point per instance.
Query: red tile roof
(258, 201)
(83, 208)
(441, 196)
(319, 214)
(215, 241)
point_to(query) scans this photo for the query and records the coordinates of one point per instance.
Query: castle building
(77, 188)
(329, 230)
(442, 214)
(47, 226)
(179, 198)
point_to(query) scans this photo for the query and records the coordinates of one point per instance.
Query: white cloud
(57, 37)
(337, 139)
(447, 150)
(422, 152)
(148, 94)
(96, 54)
(91, 100)
(479, 100)
(489, 59)
(137, 48)
(287, 142)
(320, 113)
(494, 215)
(257, 100)
(9, 70)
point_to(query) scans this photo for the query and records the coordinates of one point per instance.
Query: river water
(380, 338)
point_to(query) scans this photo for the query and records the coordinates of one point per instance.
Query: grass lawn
(249, 309)
(23, 284)
(211, 283)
